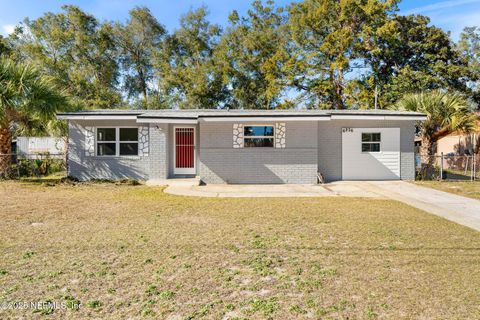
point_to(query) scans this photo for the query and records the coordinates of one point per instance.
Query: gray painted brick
(84, 167)
(221, 163)
(311, 146)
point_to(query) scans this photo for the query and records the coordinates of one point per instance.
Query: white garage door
(371, 153)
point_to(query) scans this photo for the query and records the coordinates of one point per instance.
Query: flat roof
(196, 114)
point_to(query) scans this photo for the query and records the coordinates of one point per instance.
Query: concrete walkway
(459, 209)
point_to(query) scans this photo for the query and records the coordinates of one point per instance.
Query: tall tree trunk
(143, 82)
(145, 96)
(333, 95)
(339, 89)
(5, 151)
(427, 154)
(336, 81)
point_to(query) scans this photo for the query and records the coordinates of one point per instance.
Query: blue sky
(451, 15)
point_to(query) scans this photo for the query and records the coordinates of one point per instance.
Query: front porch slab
(190, 187)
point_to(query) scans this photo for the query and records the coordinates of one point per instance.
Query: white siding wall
(330, 145)
(358, 165)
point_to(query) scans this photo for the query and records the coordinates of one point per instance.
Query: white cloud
(7, 29)
(441, 5)
(451, 15)
(455, 22)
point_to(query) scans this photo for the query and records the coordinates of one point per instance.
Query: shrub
(41, 166)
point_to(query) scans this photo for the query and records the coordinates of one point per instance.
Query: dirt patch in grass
(469, 189)
(124, 251)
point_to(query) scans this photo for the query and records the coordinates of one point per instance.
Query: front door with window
(184, 150)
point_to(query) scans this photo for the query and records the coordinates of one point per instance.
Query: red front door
(184, 150)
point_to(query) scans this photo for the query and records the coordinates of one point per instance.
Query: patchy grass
(463, 188)
(123, 251)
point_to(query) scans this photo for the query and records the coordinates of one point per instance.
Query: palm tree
(28, 100)
(446, 113)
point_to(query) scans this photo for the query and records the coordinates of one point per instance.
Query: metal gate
(184, 150)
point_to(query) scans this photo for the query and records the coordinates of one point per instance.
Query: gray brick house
(242, 146)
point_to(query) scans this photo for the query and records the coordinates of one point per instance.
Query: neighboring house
(33, 147)
(242, 146)
(459, 144)
(456, 143)
(457, 149)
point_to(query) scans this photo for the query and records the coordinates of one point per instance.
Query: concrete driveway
(455, 208)
(459, 209)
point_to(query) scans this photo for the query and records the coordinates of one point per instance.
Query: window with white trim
(258, 136)
(371, 141)
(117, 142)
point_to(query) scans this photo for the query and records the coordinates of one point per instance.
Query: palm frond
(446, 112)
(27, 97)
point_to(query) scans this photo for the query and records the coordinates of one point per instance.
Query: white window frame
(117, 141)
(257, 137)
(371, 142)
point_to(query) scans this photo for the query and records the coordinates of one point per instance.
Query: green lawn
(463, 188)
(125, 251)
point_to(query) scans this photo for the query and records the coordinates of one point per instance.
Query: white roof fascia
(243, 118)
(412, 118)
(158, 120)
(96, 117)
(260, 119)
(376, 117)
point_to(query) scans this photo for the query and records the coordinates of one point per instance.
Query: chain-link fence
(448, 167)
(14, 166)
